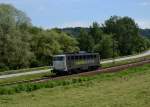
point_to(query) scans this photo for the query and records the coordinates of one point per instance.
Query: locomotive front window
(60, 58)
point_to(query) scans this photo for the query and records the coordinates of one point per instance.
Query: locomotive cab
(59, 63)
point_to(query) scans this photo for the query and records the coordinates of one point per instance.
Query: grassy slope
(130, 90)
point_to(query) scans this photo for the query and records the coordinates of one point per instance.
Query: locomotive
(68, 63)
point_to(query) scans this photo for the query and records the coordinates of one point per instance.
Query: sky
(73, 13)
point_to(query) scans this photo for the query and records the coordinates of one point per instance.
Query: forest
(23, 45)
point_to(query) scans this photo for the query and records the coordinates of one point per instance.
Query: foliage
(126, 32)
(118, 36)
(86, 42)
(96, 41)
(105, 47)
(23, 45)
(47, 43)
(14, 48)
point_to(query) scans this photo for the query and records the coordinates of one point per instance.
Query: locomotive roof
(81, 54)
(70, 54)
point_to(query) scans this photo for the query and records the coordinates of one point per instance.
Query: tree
(105, 47)
(96, 32)
(13, 16)
(68, 44)
(125, 31)
(14, 47)
(44, 46)
(86, 42)
(143, 44)
(15, 53)
(46, 43)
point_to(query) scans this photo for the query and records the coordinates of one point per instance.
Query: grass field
(130, 88)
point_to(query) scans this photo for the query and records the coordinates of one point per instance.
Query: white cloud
(144, 23)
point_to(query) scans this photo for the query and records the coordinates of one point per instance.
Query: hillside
(76, 30)
(145, 32)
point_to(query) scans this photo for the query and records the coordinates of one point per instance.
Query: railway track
(88, 73)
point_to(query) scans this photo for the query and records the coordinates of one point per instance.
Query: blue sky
(66, 13)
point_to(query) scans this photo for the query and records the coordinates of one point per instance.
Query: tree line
(23, 45)
(118, 36)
